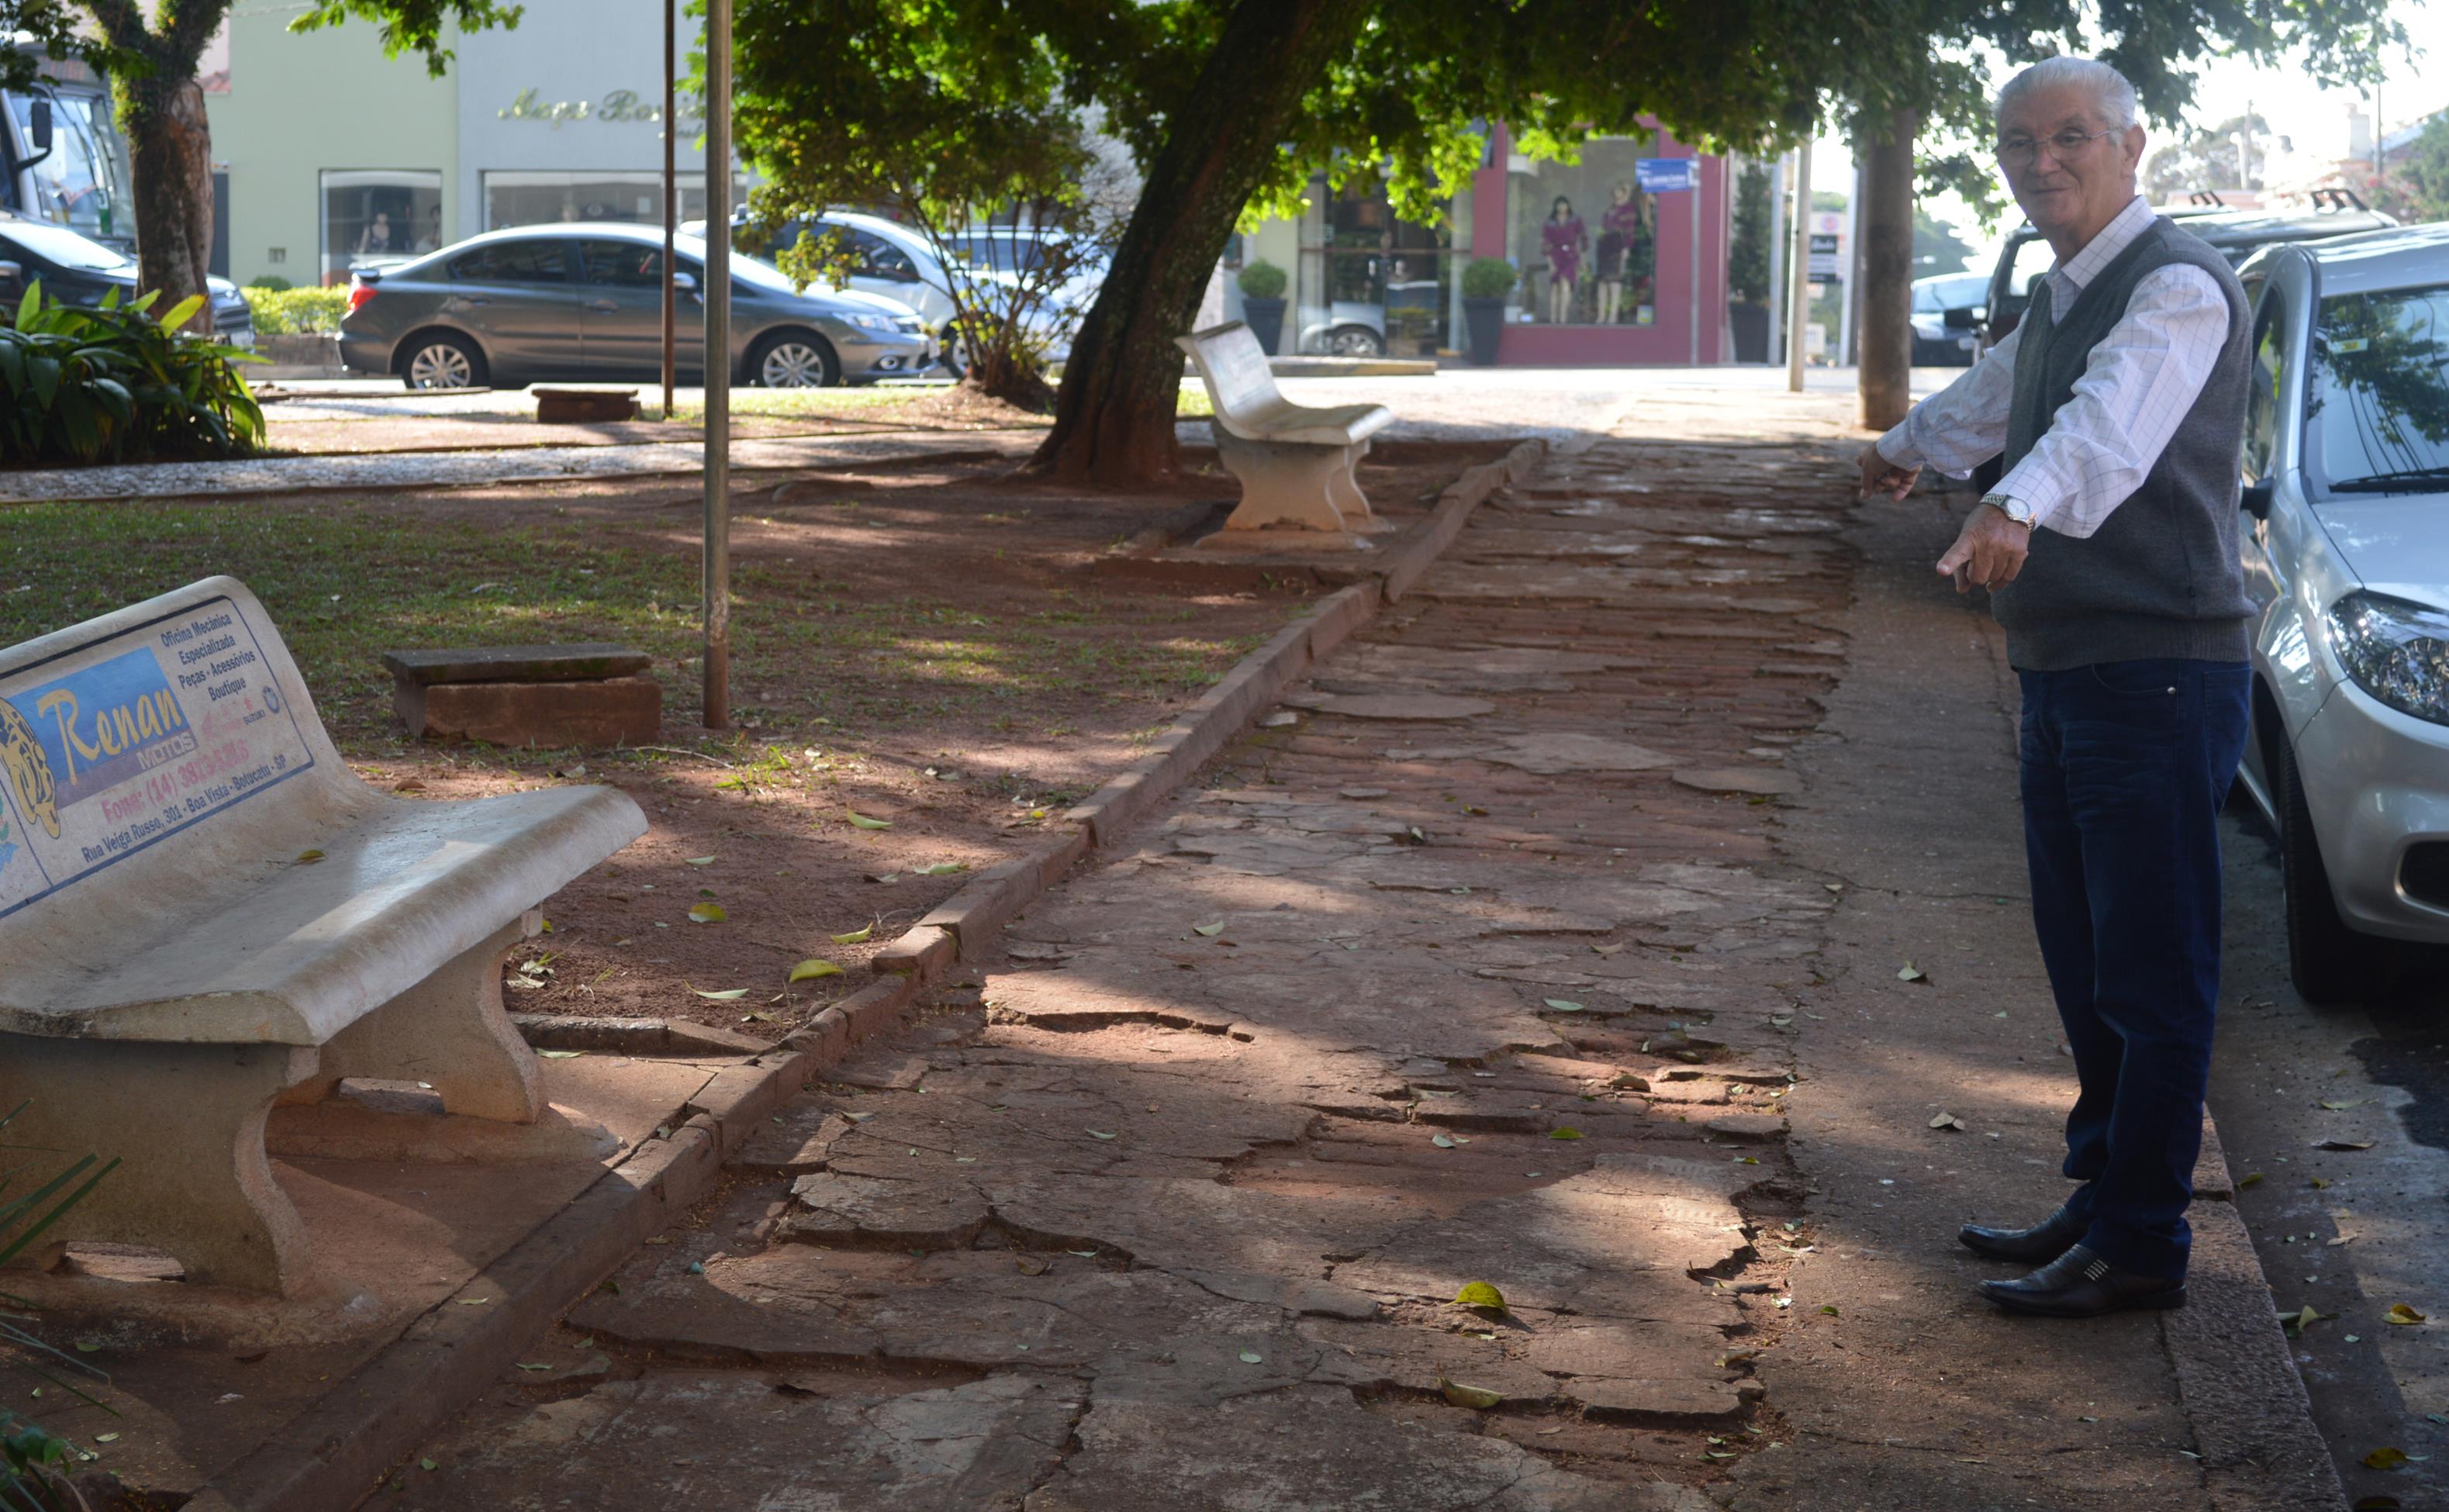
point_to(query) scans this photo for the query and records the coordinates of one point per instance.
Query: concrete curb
(337, 1451)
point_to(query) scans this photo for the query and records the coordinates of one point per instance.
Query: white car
(2346, 556)
(893, 261)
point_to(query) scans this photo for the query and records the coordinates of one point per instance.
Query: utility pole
(671, 189)
(717, 295)
(1798, 301)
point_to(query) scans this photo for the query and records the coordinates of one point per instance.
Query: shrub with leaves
(36, 1465)
(112, 383)
(287, 311)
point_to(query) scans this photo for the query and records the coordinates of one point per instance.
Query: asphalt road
(2350, 1233)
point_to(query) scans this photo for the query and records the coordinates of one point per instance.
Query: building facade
(331, 155)
(1619, 258)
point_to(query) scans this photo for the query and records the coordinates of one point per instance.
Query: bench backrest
(153, 745)
(1234, 367)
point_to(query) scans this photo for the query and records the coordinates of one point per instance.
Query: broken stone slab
(797, 1145)
(1679, 1399)
(1262, 1451)
(860, 1212)
(1402, 706)
(1772, 781)
(1379, 1356)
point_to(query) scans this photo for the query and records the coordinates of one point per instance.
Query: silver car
(2346, 498)
(567, 301)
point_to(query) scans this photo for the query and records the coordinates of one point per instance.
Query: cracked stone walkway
(1490, 958)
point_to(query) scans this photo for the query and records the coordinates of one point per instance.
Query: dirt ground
(927, 667)
(311, 423)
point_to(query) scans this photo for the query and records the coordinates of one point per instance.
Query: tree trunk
(1885, 379)
(170, 153)
(1113, 417)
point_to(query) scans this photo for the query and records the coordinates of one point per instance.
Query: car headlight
(908, 325)
(870, 322)
(2397, 651)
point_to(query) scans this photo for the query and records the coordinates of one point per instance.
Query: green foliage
(272, 282)
(2417, 187)
(1263, 280)
(408, 25)
(295, 312)
(1936, 248)
(83, 385)
(1487, 278)
(51, 26)
(1748, 253)
(2207, 159)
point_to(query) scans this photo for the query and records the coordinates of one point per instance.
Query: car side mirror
(684, 282)
(2255, 499)
(1964, 317)
(38, 125)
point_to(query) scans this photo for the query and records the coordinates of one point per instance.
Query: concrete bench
(1294, 462)
(205, 912)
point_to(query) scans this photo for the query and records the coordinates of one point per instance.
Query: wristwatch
(2012, 508)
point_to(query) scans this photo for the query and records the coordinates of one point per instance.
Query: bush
(269, 281)
(82, 385)
(1487, 278)
(1263, 281)
(36, 1467)
(287, 312)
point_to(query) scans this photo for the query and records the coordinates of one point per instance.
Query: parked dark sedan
(75, 269)
(564, 301)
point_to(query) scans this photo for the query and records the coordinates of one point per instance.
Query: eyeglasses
(2022, 152)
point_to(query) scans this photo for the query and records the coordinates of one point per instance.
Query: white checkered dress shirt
(2137, 385)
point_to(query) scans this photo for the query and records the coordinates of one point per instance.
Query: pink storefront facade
(1676, 318)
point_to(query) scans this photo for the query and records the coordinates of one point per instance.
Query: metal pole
(671, 197)
(1695, 266)
(717, 364)
(1798, 299)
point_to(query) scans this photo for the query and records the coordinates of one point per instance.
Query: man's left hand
(1988, 552)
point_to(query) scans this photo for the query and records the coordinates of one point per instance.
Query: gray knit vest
(2160, 577)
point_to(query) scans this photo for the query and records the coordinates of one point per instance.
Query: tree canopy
(2206, 158)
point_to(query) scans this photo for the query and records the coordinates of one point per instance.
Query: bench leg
(1344, 489)
(1287, 485)
(186, 1123)
(449, 1030)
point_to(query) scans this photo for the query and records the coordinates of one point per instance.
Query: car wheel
(440, 361)
(2329, 962)
(1356, 341)
(794, 359)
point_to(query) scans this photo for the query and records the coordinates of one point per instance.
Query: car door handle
(603, 306)
(475, 298)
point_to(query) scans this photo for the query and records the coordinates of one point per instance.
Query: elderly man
(2110, 551)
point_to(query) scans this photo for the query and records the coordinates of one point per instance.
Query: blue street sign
(1667, 175)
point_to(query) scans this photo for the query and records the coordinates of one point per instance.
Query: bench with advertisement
(205, 912)
(1295, 461)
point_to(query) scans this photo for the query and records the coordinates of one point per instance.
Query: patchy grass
(346, 582)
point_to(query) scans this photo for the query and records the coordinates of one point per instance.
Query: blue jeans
(2125, 767)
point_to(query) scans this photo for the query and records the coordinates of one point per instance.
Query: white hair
(2110, 88)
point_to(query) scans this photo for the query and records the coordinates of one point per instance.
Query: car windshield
(1001, 254)
(756, 272)
(60, 245)
(2378, 404)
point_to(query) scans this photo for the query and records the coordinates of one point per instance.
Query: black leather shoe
(2038, 1245)
(2080, 1284)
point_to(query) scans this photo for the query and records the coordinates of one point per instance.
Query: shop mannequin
(1563, 238)
(1619, 229)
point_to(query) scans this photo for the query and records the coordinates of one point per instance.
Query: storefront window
(372, 217)
(1588, 236)
(534, 198)
(1370, 282)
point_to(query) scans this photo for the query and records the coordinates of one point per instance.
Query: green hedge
(87, 385)
(295, 312)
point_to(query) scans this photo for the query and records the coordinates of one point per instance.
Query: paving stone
(1378, 1356)
(671, 1442)
(852, 1211)
(1770, 780)
(1749, 1127)
(1404, 706)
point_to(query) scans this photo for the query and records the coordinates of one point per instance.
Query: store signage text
(619, 106)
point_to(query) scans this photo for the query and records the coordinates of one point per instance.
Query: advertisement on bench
(111, 747)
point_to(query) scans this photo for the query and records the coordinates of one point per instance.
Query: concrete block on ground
(610, 712)
(574, 404)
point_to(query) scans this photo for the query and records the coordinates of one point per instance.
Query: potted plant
(1262, 303)
(1486, 281)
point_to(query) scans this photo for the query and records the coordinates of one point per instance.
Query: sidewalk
(1489, 964)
